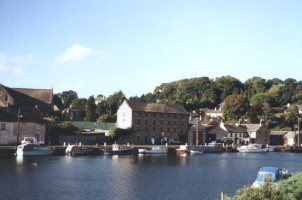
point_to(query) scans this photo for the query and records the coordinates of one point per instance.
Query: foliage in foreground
(288, 189)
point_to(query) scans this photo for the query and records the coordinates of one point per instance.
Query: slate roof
(44, 95)
(235, 129)
(281, 133)
(252, 127)
(10, 114)
(24, 97)
(158, 108)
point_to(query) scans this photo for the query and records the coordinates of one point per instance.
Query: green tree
(90, 109)
(268, 115)
(114, 101)
(79, 103)
(67, 97)
(235, 107)
(254, 86)
(228, 85)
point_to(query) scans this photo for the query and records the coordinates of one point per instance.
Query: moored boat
(182, 149)
(122, 149)
(210, 148)
(29, 149)
(250, 149)
(271, 175)
(74, 150)
(154, 150)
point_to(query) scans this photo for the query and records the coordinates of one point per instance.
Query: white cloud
(15, 64)
(79, 52)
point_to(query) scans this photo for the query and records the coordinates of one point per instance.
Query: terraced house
(152, 120)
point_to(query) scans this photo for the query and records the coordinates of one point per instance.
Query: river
(132, 177)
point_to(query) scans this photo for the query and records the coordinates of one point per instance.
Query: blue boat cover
(268, 174)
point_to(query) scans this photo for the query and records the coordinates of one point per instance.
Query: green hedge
(288, 189)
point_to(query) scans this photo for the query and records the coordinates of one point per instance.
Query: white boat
(196, 151)
(154, 150)
(182, 149)
(31, 140)
(270, 148)
(210, 148)
(271, 175)
(29, 149)
(250, 149)
(121, 149)
(77, 150)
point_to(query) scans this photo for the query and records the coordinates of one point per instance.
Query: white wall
(124, 116)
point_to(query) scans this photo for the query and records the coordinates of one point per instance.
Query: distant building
(258, 133)
(41, 99)
(21, 113)
(152, 120)
(73, 114)
(15, 124)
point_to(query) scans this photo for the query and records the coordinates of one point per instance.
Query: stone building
(150, 121)
(21, 113)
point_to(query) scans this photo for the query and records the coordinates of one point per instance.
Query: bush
(288, 189)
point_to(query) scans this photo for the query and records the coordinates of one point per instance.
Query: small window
(2, 127)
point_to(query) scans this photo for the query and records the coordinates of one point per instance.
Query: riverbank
(290, 189)
(96, 149)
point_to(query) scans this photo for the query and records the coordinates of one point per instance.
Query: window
(2, 127)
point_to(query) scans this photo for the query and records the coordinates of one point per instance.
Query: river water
(131, 177)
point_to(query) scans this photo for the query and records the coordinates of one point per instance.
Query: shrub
(287, 189)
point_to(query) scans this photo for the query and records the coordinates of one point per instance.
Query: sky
(104, 46)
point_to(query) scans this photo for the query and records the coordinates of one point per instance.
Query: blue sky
(103, 46)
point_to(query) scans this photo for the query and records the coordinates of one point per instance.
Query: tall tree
(114, 101)
(235, 107)
(254, 86)
(228, 85)
(90, 109)
(67, 97)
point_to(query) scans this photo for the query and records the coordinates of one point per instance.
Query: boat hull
(35, 153)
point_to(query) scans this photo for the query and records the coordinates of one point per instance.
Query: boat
(210, 148)
(31, 140)
(121, 149)
(30, 149)
(271, 175)
(269, 148)
(154, 150)
(106, 151)
(74, 150)
(182, 149)
(195, 151)
(250, 149)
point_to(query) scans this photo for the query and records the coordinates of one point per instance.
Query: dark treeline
(254, 100)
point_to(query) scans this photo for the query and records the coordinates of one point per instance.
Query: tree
(114, 101)
(79, 103)
(254, 86)
(235, 107)
(268, 115)
(57, 100)
(90, 109)
(228, 85)
(67, 97)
